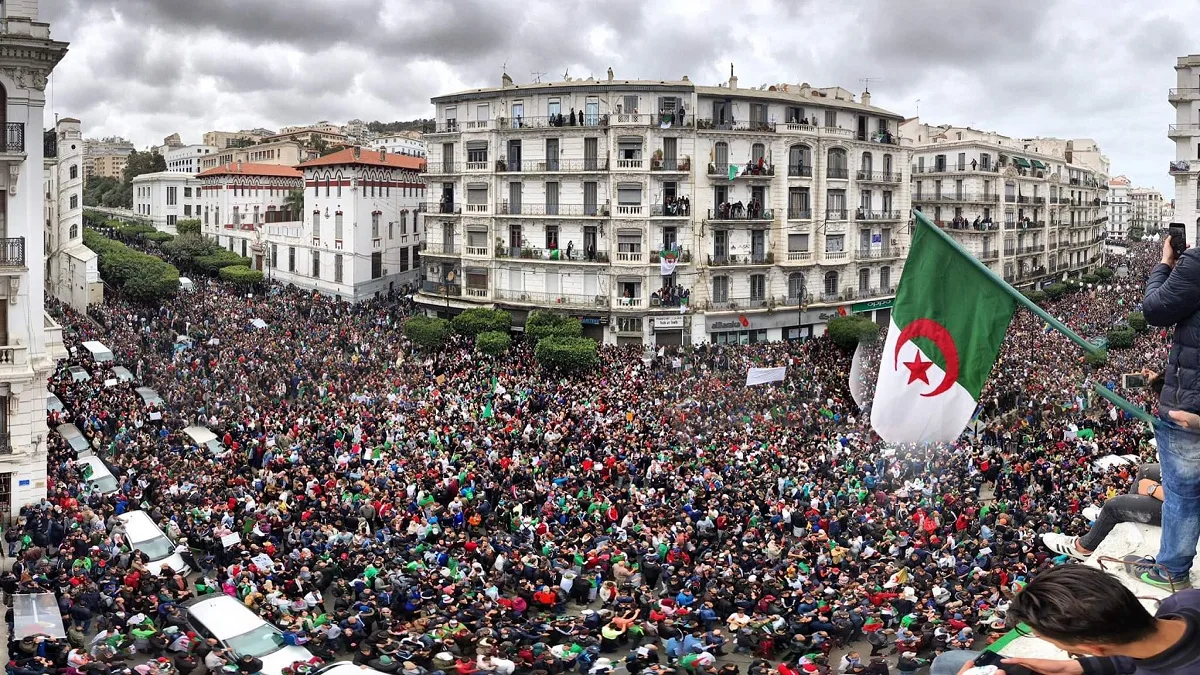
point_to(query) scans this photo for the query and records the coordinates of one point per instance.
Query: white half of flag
(764, 375)
(856, 378)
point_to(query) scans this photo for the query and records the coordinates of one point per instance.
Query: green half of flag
(733, 171)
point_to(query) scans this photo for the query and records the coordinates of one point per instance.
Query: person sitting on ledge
(1143, 505)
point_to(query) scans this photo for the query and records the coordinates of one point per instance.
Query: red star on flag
(918, 369)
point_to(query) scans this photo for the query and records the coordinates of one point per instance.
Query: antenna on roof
(866, 82)
(536, 76)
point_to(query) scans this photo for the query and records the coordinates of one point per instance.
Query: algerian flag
(667, 262)
(488, 413)
(947, 325)
(733, 171)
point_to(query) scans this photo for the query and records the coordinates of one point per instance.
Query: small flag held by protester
(764, 375)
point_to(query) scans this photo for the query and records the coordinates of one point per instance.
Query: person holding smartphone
(1173, 299)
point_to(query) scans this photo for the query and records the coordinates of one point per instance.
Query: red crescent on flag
(936, 332)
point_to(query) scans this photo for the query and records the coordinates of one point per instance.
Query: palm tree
(293, 203)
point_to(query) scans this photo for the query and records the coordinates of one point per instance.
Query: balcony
(476, 293)
(630, 257)
(456, 126)
(745, 302)
(443, 168)
(839, 174)
(729, 125)
(749, 170)
(476, 251)
(683, 256)
(629, 303)
(631, 164)
(543, 299)
(835, 214)
(878, 177)
(55, 348)
(476, 166)
(800, 170)
(990, 254)
(1010, 199)
(841, 296)
(671, 164)
(1183, 130)
(550, 165)
(630, 211)
(442, 208)
(673, 210)
(1025, 225)
(958, 197)
(838, 132)
(551, 254)
(964, 225)
(447, 290)
(630, 120)
(876, 215)
(1031, 250)
(1183, 94)
(588, 210)
(579, 121)
(738, 213)
(440, 249)
(726, 260)
(12, 252)
(835, 256)
(799, 214)
(884, 253)
(799, 256)
(955, 168)
(478, 209)
(796, 128)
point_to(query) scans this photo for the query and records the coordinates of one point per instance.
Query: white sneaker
(1091, 513)
(1063, 545)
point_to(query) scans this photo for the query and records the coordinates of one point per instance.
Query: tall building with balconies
(1119, 208)
(1185, 169)
(1146, 210)
(1029, 214)
(663, 212)
(72, 274)
(30, 341)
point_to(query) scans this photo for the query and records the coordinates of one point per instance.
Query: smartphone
(989, 658)
(1178, 238)
(1133, 380)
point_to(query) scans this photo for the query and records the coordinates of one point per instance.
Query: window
(885, 279)
(758, 153)
(887, 165)
(797, 243)
(867, 162)
(477, 152)
(835, 204)
(720, 289)
(404, 259)
(74, 201)
(291, 258)
(837, 163)
(518, 113)
(171, 221)
(799, 205)
(337, 226)
(864, 281)
(799, 160)
(327, 186)
(553, 108)
(835, 243)
(831, 119)
(796, 288)
(721, 157)
(316, 264)
(74, 230)
(339, 184)
(171, 195)
(337, 268)
(74, 171)
(831, 283)
(243, 248)
(629, 243)
(376, 264)
(375, 225)
(758, 287)
(187, 192)
(629, 194)
(316, 225)
(274, 255)
(551, 237)
(962, 162)
(187, 208)
(552, 199)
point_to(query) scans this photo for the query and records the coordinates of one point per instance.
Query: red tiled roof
(369, 157)
(252, 169)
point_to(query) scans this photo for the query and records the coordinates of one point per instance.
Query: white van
(98, 351)
(185, 284)
(100, 478)
(203, 438)
(242, 632)
(122, 374)
(142, 534)
(75, 438)
(149, 396)
(54, 403)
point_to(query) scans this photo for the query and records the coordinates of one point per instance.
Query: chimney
(383, 154)
(732, 78)
(866, 98)
(357, 152)
(239, 166)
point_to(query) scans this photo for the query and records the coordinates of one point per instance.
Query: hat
(385, 660)
(909, 655)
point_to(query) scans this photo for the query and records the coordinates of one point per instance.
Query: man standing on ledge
(1084, 610)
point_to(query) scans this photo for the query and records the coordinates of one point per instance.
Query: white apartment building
(361, 233)
(72, 274)
(1120, 210)
(1030, 215)
(1146, 209)
(1168, 213)
(186, 158)
(30, 341)
(402, 143)
(1185, 169)
(166, 197)
(610, 200)
(279, 153)
(239, 201)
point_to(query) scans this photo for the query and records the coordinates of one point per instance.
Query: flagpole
(1123, 404)
(1016, 295)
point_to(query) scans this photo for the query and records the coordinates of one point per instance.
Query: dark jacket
(1181, 659)
(1173, 299)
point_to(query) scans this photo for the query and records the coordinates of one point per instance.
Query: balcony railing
(444, 208)
(671, 210)
(475, 208)
(878, 176)
(800, 170)
(630, 119)
(796, 128)
(1010, 199)
(629, 303)
(750, 170)
(12, 252)
(670, 164)
(884, 253)
(1181, 93)
(455, 126)
(551, 165)
(836, 256)
(1029, 250)
(476, 166)
(744, 302)
(799, 256)
(840, 296)
(683, 256)
(1183, 129)
(876, 215)
(477, 251)
(438, 248)
(630, 256)
(561, 254)
(552, 299)
(842, 174)
(553, 121)
(968, 226)
(631, 163)
(799, 214)
(14, 137)
(507, 209)
(477, 293)
(954, 168)
(732, 212)
(452, 290)
(729, 125)
(1025, 225)
(631, 211)
(726, 260)
(444, 167)
(835, 214)
(991, 254)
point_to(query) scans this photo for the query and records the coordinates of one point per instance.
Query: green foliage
(847, 331)
(138, 163)
(492, 342)
(1137, 321)
(240, 274)
(188, 226)
(293, 203)
(1105, 273)
(542, 324)
(1034, 295)
(479, 320)
(1096, 359)
(427, 332)
(159, 237)
(567, 354)
(1091, 279)
(142, 277)
(104, 191)
(186, 247)
(133, 230)
(1120, 338)
(1056, 291)
(213, 262)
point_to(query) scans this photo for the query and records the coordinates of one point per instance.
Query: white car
(142, 534)
(242, 632)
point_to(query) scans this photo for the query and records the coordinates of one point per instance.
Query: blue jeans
(1179, 452)
(949, 663)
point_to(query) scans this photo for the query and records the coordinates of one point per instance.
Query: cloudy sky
(146, 68)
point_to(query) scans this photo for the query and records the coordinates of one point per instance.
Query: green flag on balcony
(733, 171)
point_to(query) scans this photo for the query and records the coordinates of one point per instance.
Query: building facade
(1146, 210)
(1120, 210)
(186, 158)
(410, 143)
(108, 165)
(361, 231)
(241, 202)
(1185, 132)
(72, 274)
(222, 140)
(1029, 215)
(331, 134)
(1168, 213)
(31, 342)
(166, 197)
(666, 212)
(278, 153)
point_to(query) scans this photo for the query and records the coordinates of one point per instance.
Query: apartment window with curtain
(831, 283)
(316, 264)
(337, 268)
(337, 226)
(316, 225)
(797, 243)
(720, 289)
(375, 225)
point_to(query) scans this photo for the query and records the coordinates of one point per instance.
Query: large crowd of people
(641, 516)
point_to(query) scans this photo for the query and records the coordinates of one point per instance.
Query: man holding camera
(1173, 299)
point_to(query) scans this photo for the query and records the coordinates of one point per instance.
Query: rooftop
(367, 157)
(252, 169)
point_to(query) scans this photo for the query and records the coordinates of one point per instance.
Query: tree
(1120, 338)
(188, 226)
(96, 190)
(142, 277)
(138, 163)
(847, 331)
(293, 203)
(542, 324)
(1097, 359)
(479, 320)
(492, 343)
(427, 332)
(1056, 291)
(567, 354)
(240, 274)
(159, 237)
(186, 247)
(1036, 296)
(1137, 321)
(1105, 273)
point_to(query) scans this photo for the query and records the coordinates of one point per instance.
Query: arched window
(338, 178)
(831, 283)
(796, 288)
(74, 231)
(864, 281)
(799, 160)
(328, 180)
(867, 163)
(837, 163)
(74, 171)
(887, 164)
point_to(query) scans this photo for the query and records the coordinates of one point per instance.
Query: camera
(1133, 380)
(1178, 236)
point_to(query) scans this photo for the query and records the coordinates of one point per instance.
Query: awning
(1039, 165)
(1021, 161)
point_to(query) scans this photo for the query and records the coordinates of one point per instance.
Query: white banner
(764, 375)
(667, 262)
(857, 386)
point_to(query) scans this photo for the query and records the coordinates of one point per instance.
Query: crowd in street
(640, 516)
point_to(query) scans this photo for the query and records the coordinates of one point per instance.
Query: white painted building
(30, 341)
(1120, 210)
(609, 200)
(1185, 169)
(1146, 211)
(165, 198)
(410, 143)
(72, 274)
(1019, 205)
(361, 231)
(186, 158)
(242, 202)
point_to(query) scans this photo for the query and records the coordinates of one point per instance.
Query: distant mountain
(422, 125)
